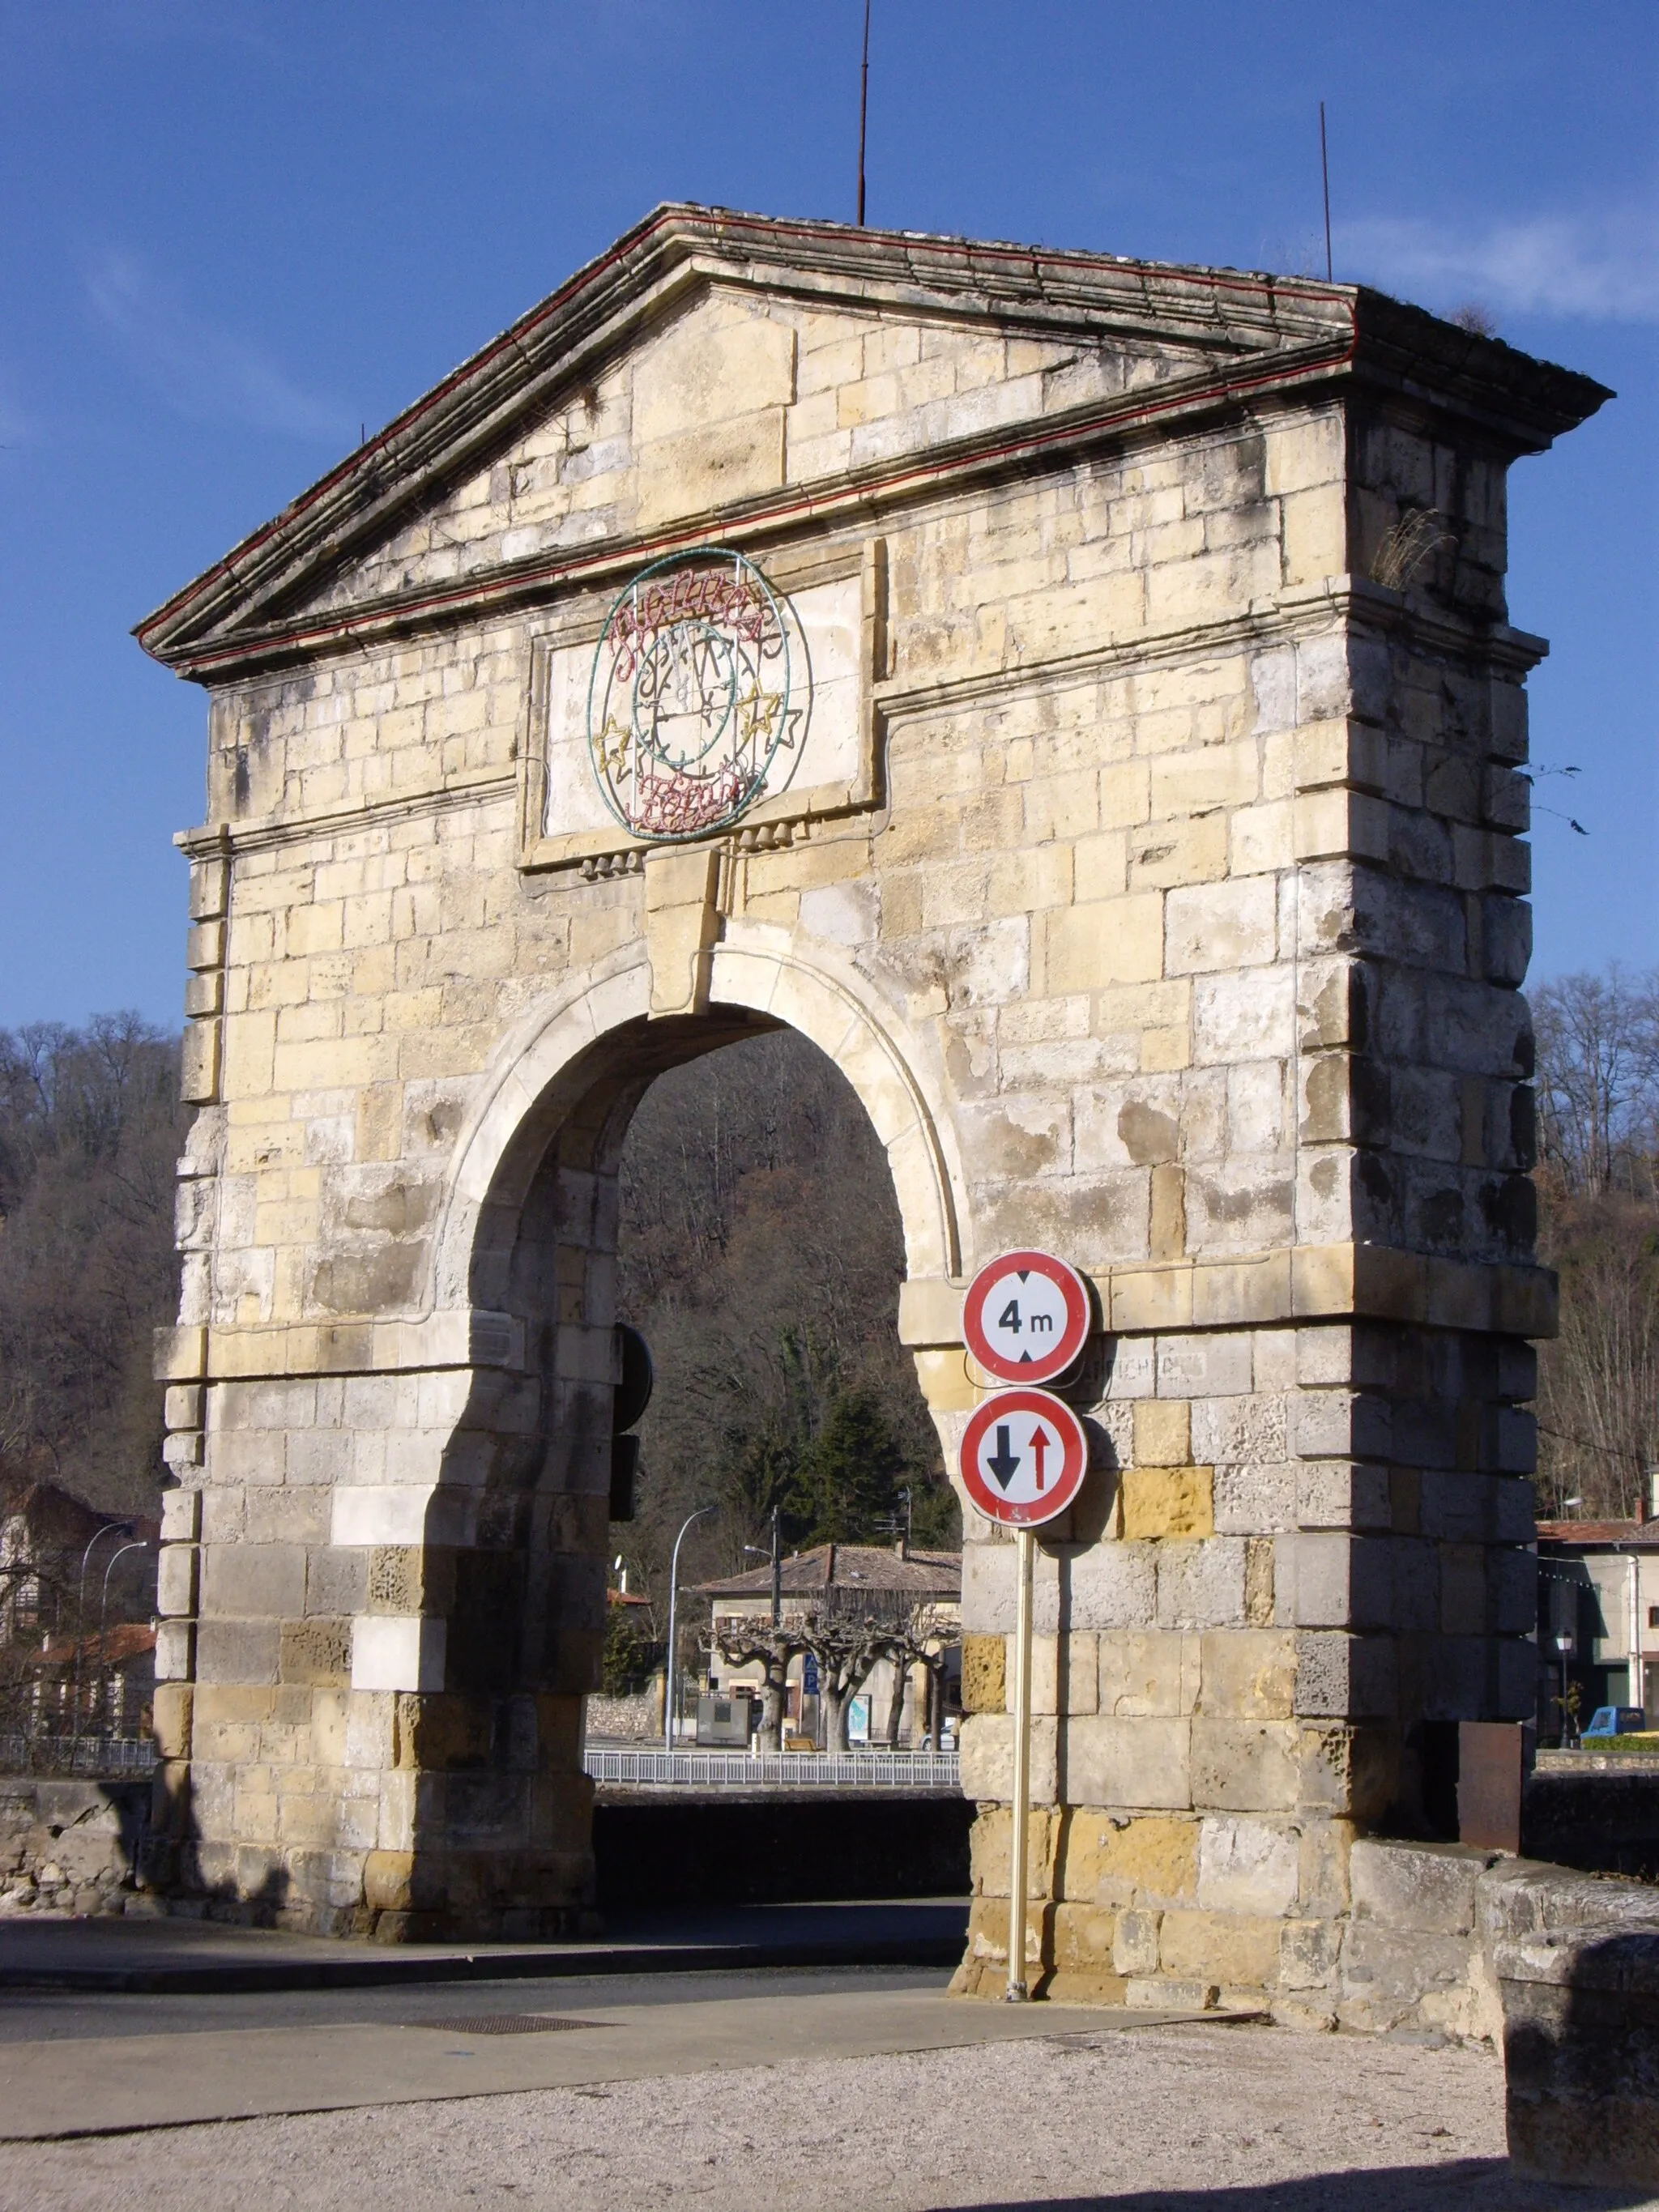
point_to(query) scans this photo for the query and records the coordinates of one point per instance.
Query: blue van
(1615, 1720)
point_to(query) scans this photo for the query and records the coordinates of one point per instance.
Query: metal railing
(76, 1754)
(775, 1770)
(701, 1769)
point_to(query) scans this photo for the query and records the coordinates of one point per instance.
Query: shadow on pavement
(1470, 2185)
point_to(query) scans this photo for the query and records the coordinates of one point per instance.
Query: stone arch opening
(507, 1579)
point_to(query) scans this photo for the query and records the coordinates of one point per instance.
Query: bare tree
(1598, 1390)
(846, 1649)
(760, 1253)
(90, 1128)
(1598, 1081)
(771, 1649)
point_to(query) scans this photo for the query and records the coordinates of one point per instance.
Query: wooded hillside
(761, 1255)
(90, 1128)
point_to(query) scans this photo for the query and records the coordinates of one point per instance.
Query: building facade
(1076, 695)
(1598, 1619)
(904, 1676)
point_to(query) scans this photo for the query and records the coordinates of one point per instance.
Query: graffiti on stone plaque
(698, 697)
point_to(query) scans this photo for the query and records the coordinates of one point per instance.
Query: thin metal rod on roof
(864, 107)
(1325, 177)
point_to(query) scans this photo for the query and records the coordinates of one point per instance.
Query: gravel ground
(1191, 2120)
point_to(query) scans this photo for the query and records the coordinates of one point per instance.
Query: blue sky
(234, 233)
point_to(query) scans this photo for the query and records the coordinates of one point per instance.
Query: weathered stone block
(1581, 2056)
(1221, 1947)
(1167, 1501)
(984, 1679)
(1130, 1762)
(1244, 1765)
(1154, 1676)
(1134, 1942)
(175, 1579)
(1426, 1886)
(1201, 1585)
(1247, 1866)
(1247, 1674)
(1113, 1586)
(1128, 1860)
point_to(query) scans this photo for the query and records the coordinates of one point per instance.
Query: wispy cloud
(208, 373)
(1603, 269)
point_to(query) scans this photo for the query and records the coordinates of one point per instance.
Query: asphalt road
(27, 2017)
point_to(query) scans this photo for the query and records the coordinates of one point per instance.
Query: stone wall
(1398, 1937)
(634, 1719)
(69, 1846)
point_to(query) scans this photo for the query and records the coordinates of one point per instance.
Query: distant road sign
(1025, 1317)
(1023, 1457)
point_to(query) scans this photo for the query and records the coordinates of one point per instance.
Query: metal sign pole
(1024, 1546)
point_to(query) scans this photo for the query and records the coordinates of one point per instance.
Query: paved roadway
(28, 2016)
(810, 2088)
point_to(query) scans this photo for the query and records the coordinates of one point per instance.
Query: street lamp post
(141, 1545)
(669, 1715)
(109, 1527)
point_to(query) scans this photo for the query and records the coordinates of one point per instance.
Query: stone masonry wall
(1180, 929)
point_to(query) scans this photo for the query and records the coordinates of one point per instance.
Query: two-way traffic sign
(1024, 1456)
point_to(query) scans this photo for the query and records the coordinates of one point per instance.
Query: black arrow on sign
(1003, 1463)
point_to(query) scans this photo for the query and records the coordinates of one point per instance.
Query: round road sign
(1026, 1316)
(1023, 1457)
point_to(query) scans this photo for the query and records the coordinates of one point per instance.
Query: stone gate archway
(504, 1584)
(1119, 775)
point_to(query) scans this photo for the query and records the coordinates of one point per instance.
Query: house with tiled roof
(892, 1586)
(1598, 1617)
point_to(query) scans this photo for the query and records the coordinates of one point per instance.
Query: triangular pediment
(733, 396)
(714, 366)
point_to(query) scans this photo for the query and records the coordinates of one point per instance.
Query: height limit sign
(1025, 1317)
(1023, 1457)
